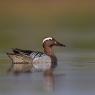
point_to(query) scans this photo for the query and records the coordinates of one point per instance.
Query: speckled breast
(41, 61)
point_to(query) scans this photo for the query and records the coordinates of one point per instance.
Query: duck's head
(50, 42)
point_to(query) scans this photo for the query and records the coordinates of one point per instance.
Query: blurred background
(24, 23)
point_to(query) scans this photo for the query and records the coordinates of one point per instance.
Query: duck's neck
(49, 51)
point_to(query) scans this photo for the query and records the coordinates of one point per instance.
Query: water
(75, 75)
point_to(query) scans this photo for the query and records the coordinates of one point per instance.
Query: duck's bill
(59, 44)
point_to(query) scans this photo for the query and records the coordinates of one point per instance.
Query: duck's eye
(50, 39)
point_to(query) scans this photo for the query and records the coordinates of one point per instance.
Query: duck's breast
(42, 63)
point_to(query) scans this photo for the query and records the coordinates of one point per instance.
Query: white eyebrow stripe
(49, 38)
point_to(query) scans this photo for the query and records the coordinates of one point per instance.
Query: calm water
(75, 75)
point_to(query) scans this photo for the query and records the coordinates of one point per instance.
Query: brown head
(49, 43)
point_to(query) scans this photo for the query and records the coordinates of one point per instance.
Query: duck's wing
(36, 54)
(19, 58)
(32, 54)
(20, 51)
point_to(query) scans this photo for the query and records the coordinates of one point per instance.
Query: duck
(29, 61)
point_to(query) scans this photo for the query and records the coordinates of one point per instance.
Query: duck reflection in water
(49, 82)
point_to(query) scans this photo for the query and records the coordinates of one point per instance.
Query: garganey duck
(27, 60)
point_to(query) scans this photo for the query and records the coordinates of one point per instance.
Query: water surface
(75, 75)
